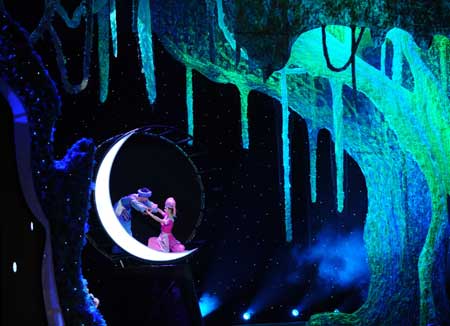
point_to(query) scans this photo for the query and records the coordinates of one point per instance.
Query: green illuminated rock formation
(398, 131)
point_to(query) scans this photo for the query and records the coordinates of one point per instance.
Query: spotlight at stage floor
(295, 312)
(246, 315)
(208, 303)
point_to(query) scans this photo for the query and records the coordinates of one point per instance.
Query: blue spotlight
(246, 315)
(295, 312)
(208, 303)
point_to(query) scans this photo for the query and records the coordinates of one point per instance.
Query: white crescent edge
(109, 219)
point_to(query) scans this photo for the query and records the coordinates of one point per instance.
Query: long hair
(173, 210)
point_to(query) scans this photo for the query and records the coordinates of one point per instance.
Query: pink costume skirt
(165, 242)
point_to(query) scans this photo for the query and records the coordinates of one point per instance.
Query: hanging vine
(61, 60)
(351, 59)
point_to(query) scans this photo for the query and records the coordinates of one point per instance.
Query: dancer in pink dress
(166, 241)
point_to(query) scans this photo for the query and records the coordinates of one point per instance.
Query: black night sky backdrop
(244, 260)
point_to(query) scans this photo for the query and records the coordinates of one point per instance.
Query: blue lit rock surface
(62, 186)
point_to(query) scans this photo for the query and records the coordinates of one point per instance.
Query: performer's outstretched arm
(156, 218)
(137, 205)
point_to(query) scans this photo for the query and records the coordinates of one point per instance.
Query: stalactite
(134, 6)
(286, 161)
(144, 27)
(312, 140)
(338, 128)
(243, 93)
(189, 102)
(113, 25)
(103, 50)
(312, 137)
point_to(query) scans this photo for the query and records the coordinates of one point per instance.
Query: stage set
(225, 162)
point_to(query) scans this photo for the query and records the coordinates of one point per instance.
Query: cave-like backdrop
(325, 127)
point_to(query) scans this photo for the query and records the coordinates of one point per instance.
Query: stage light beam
(208, 303)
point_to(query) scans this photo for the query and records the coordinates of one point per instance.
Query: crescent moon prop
(109, 219)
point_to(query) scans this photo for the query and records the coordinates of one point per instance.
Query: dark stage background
(244, 260)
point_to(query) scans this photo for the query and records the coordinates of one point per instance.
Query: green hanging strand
(338, 128)
(144, 27)
(113, 25)
(243, 93)
(103, 50)
(189, 102)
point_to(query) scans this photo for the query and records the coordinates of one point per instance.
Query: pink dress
(166, 242)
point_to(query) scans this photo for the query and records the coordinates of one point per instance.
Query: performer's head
(170, 206)
(144, 194)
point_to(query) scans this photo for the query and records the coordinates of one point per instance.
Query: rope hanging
(351, 59)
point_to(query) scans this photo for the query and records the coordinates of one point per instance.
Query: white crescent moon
(109, 219)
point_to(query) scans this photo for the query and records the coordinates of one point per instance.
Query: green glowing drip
(312, 137)
(407, 126)
(113, 23)
(144, 27)
(286, 155)
(103, 51)
(226, 33)
(134, 16)
(243, 92)
(338, 128)
(189, 102)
